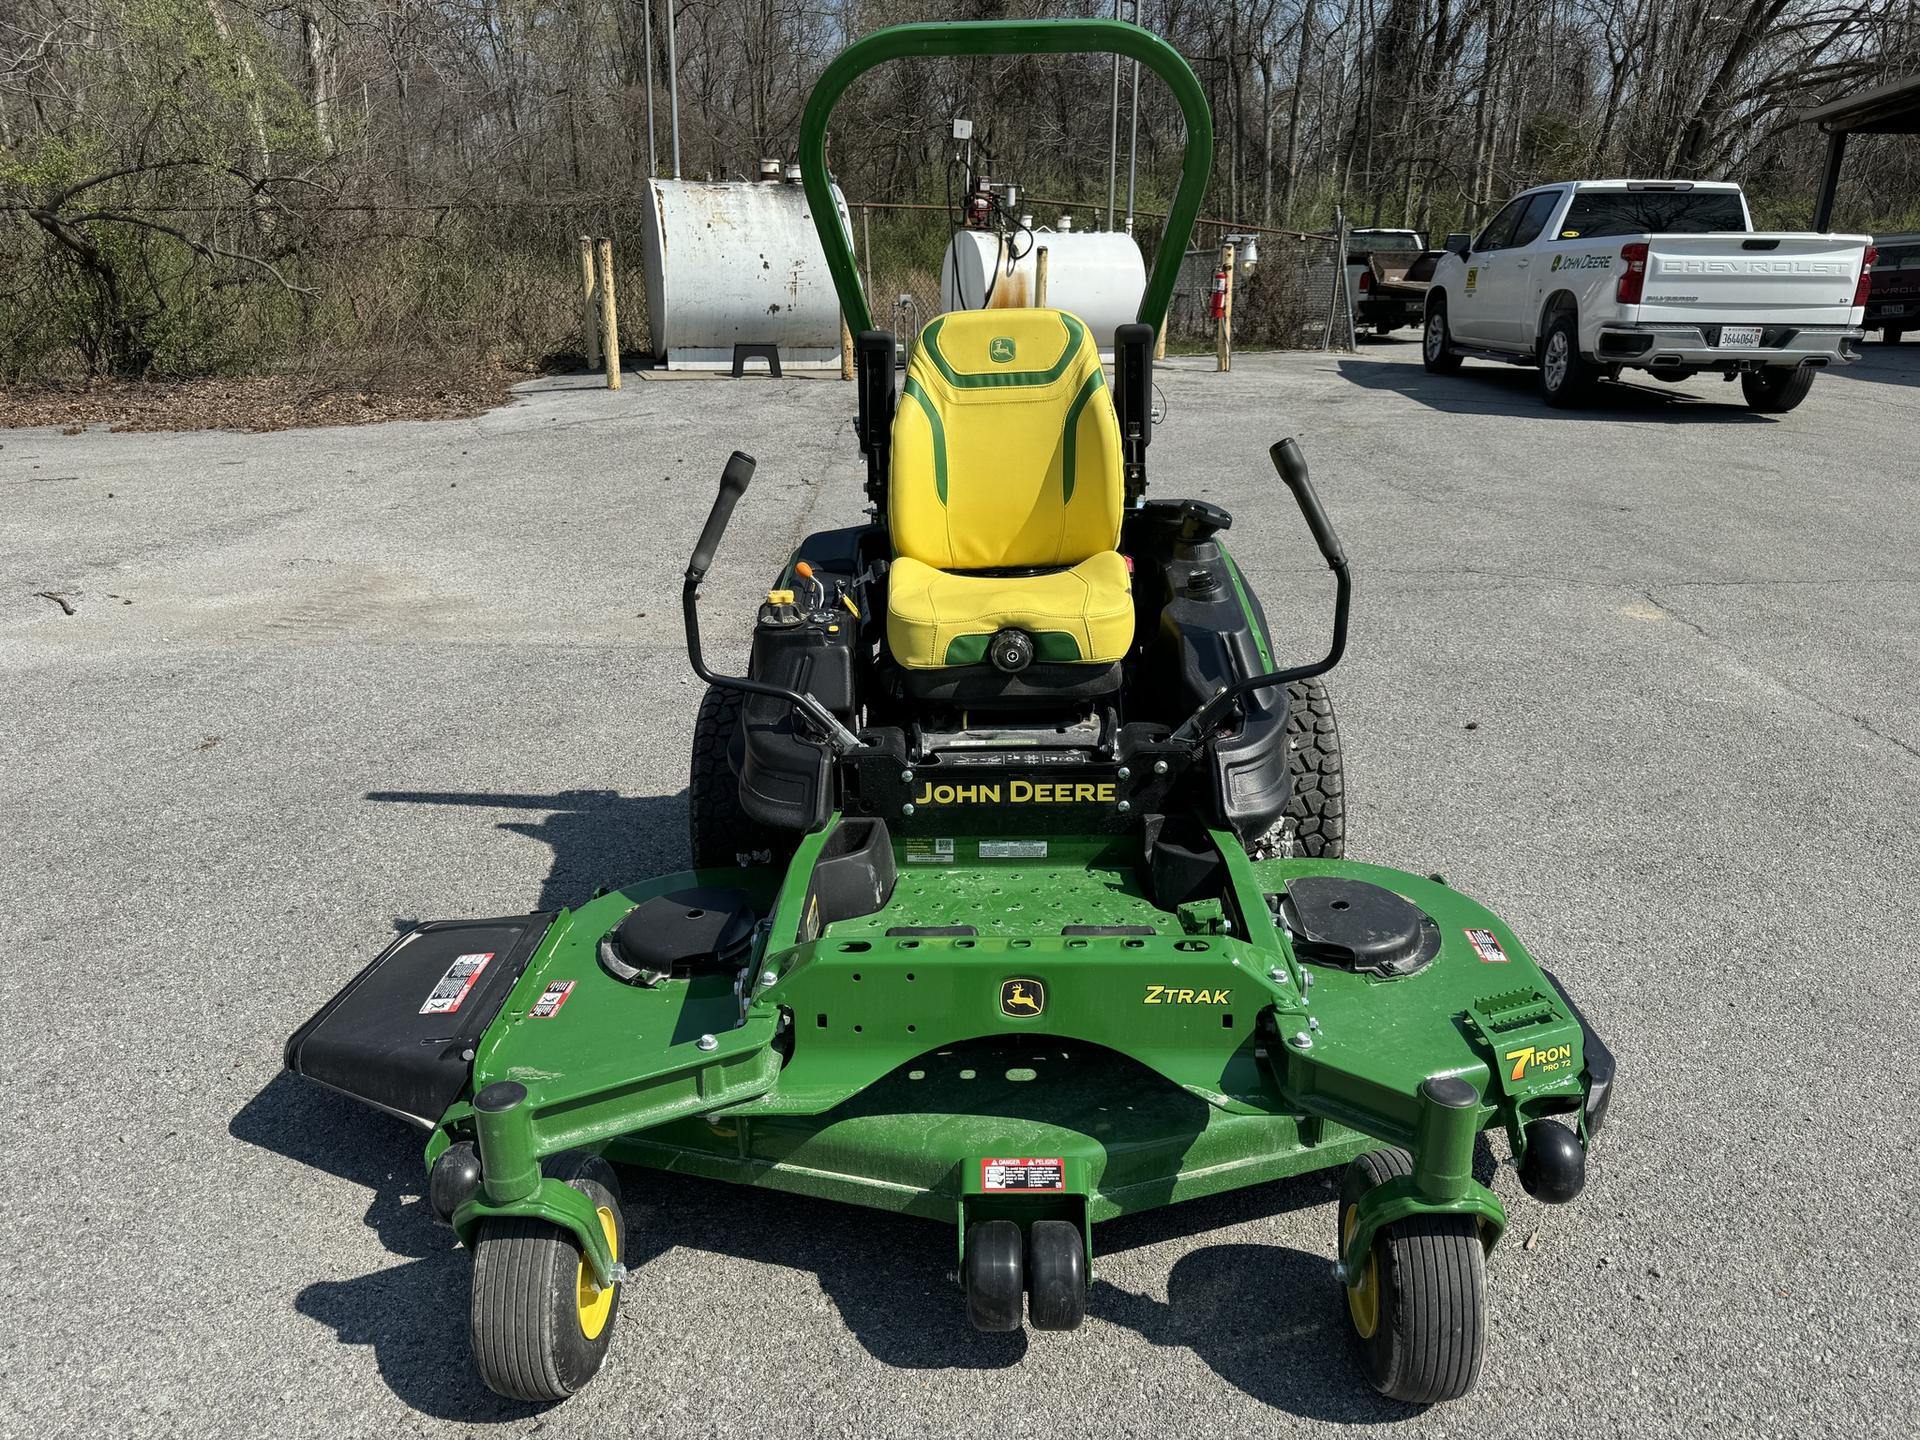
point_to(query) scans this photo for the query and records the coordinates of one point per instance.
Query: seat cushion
(1006, 452)
(1079, 616)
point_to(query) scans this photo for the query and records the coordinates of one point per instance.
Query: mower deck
(870, 1066)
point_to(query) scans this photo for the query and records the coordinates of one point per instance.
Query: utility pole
(1133, 140)
(1113, 132)
(646, 42)
(673, 90)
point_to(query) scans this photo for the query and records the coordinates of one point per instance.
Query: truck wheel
(1383, 329)
(1565, 379)
(719, 832)
(540, 1325)
(1418, 1307)
(1435, 346)
(1776, 390)
(1891, 336)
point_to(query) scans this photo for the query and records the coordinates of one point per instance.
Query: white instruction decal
(550, 1001)
(455, 984)
(1487, 946)
(1013, 849)
(1024, 1174)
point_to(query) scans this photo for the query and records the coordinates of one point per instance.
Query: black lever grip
(1292, 466)
(733, 484)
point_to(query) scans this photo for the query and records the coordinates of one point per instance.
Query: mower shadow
(1264, 1318)
(1484, 388)
(598, 837)
(413, 1315)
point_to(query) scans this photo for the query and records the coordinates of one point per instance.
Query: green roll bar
(1008, 37)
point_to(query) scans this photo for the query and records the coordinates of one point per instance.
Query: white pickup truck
(1587, 278)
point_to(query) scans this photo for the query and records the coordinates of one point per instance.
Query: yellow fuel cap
(779, 597)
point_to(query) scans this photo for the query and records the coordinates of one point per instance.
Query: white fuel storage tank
(733, 263)
(1098, 276)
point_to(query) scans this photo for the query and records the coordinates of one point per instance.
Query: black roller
(454, 1180)
(995, 1275)
(1554, 1168)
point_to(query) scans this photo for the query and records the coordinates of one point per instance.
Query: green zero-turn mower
(1019, 901)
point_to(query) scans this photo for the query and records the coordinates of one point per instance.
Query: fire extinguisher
(1219, 299)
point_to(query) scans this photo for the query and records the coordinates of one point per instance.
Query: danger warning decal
(1024, 1174)
(1487, 946)
(455, 984)
(550, 1001)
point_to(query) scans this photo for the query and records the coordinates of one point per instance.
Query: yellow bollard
(609, 316)
(1225, 360)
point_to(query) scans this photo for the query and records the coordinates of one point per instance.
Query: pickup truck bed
(1566, 277)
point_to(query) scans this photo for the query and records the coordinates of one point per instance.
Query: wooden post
(589, 304)
(846, 350)
(1225, 360)
(1160, 342)
(609, 316)
(1040, 278)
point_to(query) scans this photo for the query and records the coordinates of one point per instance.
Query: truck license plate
(1739, 337)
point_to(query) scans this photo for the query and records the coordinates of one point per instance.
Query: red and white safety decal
(1025, 1174)
(550, 1001)
(1487, 946)
(455, 984)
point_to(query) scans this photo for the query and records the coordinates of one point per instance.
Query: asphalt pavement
(1640, 677)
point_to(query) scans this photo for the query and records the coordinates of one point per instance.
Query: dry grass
(256, 402)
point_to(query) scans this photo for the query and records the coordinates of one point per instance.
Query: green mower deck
(1163, 1066)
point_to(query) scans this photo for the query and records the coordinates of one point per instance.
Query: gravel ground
(1641, 677)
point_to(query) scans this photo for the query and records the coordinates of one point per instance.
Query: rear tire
(1565, 379)
(1418, 1311)
(1435, 339)
(720, 833)
(1891, 336)
(1776, 391)
(1315, 820)
(539, 1325)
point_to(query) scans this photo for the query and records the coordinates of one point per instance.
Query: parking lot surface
(1641, 677)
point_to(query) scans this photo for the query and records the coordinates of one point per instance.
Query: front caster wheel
(995, 1275)
(1056, 1275)
(1418, 1307)
(540, 1325)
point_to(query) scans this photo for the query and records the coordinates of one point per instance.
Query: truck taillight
(1366, 281)
(1633, 273)
(1866, 276)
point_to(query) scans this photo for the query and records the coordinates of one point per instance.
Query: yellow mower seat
(1005, 496)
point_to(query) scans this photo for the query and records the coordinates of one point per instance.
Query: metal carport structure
(1890, 109)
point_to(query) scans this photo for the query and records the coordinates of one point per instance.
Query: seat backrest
(1006, 452)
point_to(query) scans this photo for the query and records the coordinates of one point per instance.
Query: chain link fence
(373, 289)
(1293, 297)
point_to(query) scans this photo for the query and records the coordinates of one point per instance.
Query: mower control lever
(733, 484)
(1292, 466)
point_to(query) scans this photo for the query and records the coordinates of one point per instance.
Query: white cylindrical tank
(1099, 277)
(737, 264)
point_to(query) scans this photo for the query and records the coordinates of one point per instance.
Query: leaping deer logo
(1023, 997)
